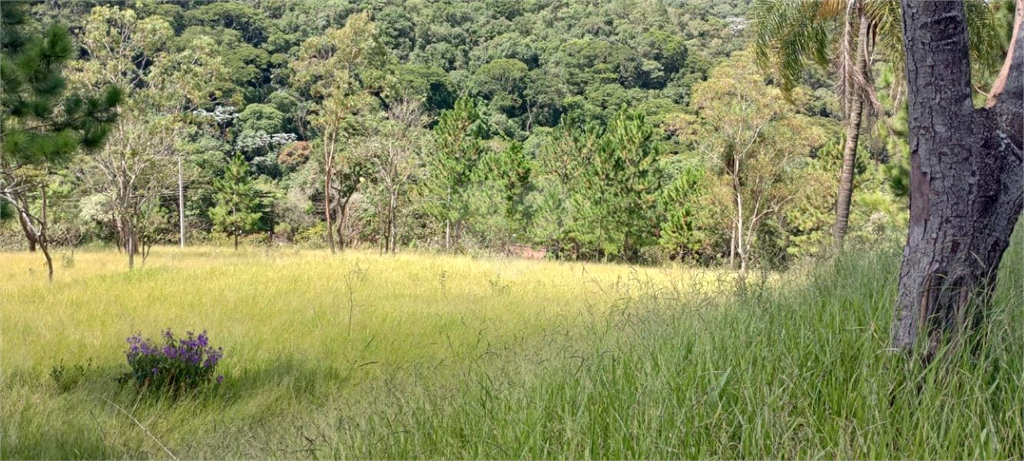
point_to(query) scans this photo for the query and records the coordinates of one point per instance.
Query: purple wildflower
(220, 379)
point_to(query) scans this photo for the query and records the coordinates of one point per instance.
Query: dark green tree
(236, 211)
(459, 136)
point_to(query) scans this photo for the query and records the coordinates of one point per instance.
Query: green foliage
(692, 229)
(497, 209)
(429, 85)
(598, 186)
(459, 138)
(502, 82)
(535, 111)
(40, 121)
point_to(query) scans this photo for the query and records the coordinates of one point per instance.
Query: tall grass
(357, 356)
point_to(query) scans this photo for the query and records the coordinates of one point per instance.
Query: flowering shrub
(181, 364)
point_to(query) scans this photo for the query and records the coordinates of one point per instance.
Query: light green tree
(139, 164)
(754, 139)
(343, 74)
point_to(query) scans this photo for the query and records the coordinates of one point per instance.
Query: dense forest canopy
(628, 130)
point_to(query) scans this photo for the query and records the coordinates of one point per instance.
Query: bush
(180, 365)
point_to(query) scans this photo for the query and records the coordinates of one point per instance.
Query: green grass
(358, 356)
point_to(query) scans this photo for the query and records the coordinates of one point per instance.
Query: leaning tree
(966, 178)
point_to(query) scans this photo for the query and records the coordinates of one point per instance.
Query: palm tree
(845, 36)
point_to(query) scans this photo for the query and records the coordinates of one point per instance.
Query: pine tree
(236, 200)
(42, 126)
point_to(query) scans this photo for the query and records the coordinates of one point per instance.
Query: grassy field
(420, 356)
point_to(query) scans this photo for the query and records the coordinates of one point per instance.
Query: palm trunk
(850, 148)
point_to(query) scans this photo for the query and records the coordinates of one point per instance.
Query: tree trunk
(27, 228)
(732, 248)
(342, 218)
(327, 208)
(846, 175)
(448, 223)
(130, 245)
(966, 185)
(181, 206)
(741, 243)
(853, 122)
(44, 239)
(392, 228)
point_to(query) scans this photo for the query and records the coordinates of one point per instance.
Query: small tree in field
(237, 202)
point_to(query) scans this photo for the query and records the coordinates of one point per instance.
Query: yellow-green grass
(305, 323)
(353, 307)
(422, 356)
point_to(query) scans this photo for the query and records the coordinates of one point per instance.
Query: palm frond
(789, 36)
(830, 9)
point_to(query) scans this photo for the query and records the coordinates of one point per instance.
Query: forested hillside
(621, 130)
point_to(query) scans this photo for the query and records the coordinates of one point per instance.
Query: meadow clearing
(357, 355)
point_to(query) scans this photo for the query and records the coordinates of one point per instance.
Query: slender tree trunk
(966, 185)
(732, 248)
(448, 224)
(328, 173)
(741, 243)
(342, 219)
(846, 174)
(392, 228)
(44, 238)
(327, 209)
(854, 117)
(130, 247)
(181, 206)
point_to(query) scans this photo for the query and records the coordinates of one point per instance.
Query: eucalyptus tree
(395, 152)
(343, 73)
(846, 36)
(754, 139)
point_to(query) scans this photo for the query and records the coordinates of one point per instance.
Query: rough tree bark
(26, 227)
(966, 179)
